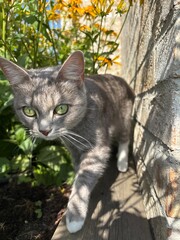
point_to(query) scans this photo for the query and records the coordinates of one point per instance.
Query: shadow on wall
(144, 51)
(158, 170)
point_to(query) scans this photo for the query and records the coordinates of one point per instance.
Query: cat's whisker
(28, 132)
(69, 136)
(66, 138)
(79, 136)
(34, 140)
(72, 135)
(33, 133)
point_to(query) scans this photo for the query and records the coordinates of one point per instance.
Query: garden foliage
(38, 33)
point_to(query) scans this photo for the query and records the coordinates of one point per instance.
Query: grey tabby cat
(87, 113)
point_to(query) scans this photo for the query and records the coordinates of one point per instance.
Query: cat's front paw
(122, 157)
(74, 223)
(122, 163)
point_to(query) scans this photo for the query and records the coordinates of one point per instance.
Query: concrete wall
(150, 50)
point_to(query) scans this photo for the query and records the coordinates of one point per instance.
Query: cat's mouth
(46, 135)
(66, 136)
(49, 137)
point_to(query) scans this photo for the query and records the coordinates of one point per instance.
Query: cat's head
(48, 101)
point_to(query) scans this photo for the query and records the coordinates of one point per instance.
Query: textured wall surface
(150, 49)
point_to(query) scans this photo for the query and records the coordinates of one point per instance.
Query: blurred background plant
(43, 33)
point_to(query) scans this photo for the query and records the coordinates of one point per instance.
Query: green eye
(28, 111)
(61, 109)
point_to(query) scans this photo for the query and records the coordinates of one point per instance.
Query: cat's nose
(45, 132)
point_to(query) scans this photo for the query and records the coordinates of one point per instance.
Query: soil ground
(31, 213)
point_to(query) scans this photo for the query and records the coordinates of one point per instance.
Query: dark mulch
(31, 213)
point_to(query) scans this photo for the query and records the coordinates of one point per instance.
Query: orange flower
(108, 61)
(90, 11)
(114, 60)
(78, 10)
(85, 28)
(52, 15)
(105, 30)
(59, 6)
(42, 5)
(102, 7)
(97, 25)
(104, 61)
(75, 2)
(121, 7)
(131, 2)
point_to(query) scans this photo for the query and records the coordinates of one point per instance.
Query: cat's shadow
(114, 210)
(103, 190)
(115, 207)
(104, 207)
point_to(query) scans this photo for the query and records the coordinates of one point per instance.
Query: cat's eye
(28, 111)
(61, 109)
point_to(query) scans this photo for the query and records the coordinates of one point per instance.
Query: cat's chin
(48, 138)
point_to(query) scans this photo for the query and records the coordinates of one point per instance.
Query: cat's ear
(15, 74)
(73, 68)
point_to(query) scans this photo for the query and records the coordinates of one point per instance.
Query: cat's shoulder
(104, 78)
(108, 82)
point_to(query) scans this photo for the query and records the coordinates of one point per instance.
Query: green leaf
(108, 32)
(21, 61)
(9, 149)
(50, 154)
(95, 37)
(21, 163)
(26, 146)
(54, 166)
(20, 135)
(45, 32)
(88, 35)
(5, 95)
(24, 179)
(38, 212)
(4, 164)
(7, 103)
(30, 19)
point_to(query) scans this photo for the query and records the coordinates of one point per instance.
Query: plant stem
(52, 38)
(3, 29)
(99, 41)
(120, 31)
(123, 24)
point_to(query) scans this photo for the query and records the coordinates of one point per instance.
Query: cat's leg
(125, 132)
(122, 156)
(90, 170)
